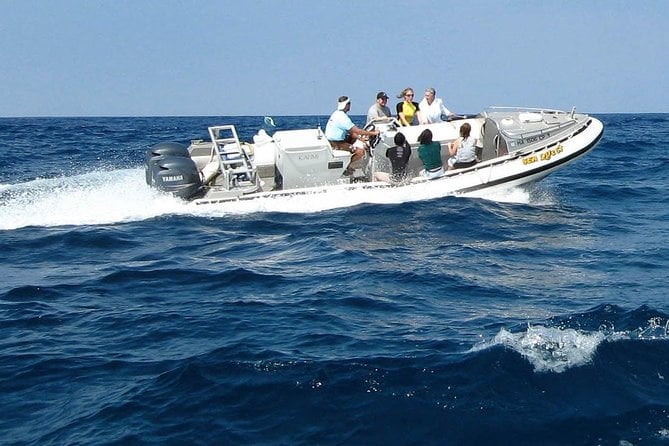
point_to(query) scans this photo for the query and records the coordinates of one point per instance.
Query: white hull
(516, 147)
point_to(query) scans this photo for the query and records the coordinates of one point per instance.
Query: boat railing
(549, 128)
(498, 108)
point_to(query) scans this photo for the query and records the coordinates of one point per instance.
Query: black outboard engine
(160, 150)
(169, 168)
(177, 175)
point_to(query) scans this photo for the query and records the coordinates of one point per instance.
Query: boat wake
(93, 198)
(108, 197)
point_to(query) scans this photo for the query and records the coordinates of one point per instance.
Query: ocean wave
(561, 347)
(548, 349)
(533, 316)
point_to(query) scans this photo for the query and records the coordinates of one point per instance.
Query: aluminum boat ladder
(236, 167)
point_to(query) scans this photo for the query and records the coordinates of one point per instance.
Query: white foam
(510, 195)
(549, 349)
(106, 197)
(558, 349)
(92, 198)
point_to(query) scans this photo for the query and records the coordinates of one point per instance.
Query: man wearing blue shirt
(342, 133)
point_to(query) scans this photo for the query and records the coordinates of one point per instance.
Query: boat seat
(210, 171)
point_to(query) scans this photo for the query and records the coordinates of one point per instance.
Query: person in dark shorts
(399, 158)
(342, 133)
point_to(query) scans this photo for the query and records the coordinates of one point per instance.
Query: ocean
(534, 316)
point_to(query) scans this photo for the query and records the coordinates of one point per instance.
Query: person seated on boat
(463, 149)
(379, 109)
(432, 108)
(399, 158)
(408, 111)
(343, 133)
(429, 153)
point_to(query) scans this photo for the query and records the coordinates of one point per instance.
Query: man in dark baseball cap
(379, 110)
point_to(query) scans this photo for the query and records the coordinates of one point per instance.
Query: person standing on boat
(342, 133)
(463, 149)
(399, 158)
(408, 111)
(432, 108)
(429, 153)
(379, 110)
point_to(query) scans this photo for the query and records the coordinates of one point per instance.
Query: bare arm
(454, 146)
(445, 110)
(357, 131)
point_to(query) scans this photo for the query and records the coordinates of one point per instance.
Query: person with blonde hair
(408, 111)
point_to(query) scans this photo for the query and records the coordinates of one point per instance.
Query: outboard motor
(156, 152)
(177, 175)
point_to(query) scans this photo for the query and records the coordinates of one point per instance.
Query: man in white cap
(342, 133)
(379, 110)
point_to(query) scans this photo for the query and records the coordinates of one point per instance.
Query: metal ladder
(236, 167)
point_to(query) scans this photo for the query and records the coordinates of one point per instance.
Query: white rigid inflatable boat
(514, 146)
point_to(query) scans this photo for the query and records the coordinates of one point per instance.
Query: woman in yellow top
(407, 110)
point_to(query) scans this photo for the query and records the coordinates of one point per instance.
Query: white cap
(342, 105)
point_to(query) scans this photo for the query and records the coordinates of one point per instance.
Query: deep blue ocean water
(532, 316)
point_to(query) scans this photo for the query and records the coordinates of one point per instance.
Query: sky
(272, 57)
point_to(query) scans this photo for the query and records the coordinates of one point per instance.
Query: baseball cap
(381, 94)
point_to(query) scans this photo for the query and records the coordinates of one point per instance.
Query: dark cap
(381, 94)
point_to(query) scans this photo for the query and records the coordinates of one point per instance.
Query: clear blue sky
(245, 57)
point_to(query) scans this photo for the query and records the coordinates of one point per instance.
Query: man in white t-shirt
(432, 108)
(342, 133)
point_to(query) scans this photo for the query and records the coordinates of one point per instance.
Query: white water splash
(511, 195)
(92, 198)
(549, 349)
(558, 349)
(107, 197)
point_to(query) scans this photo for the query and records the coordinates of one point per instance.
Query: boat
(515, 146)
